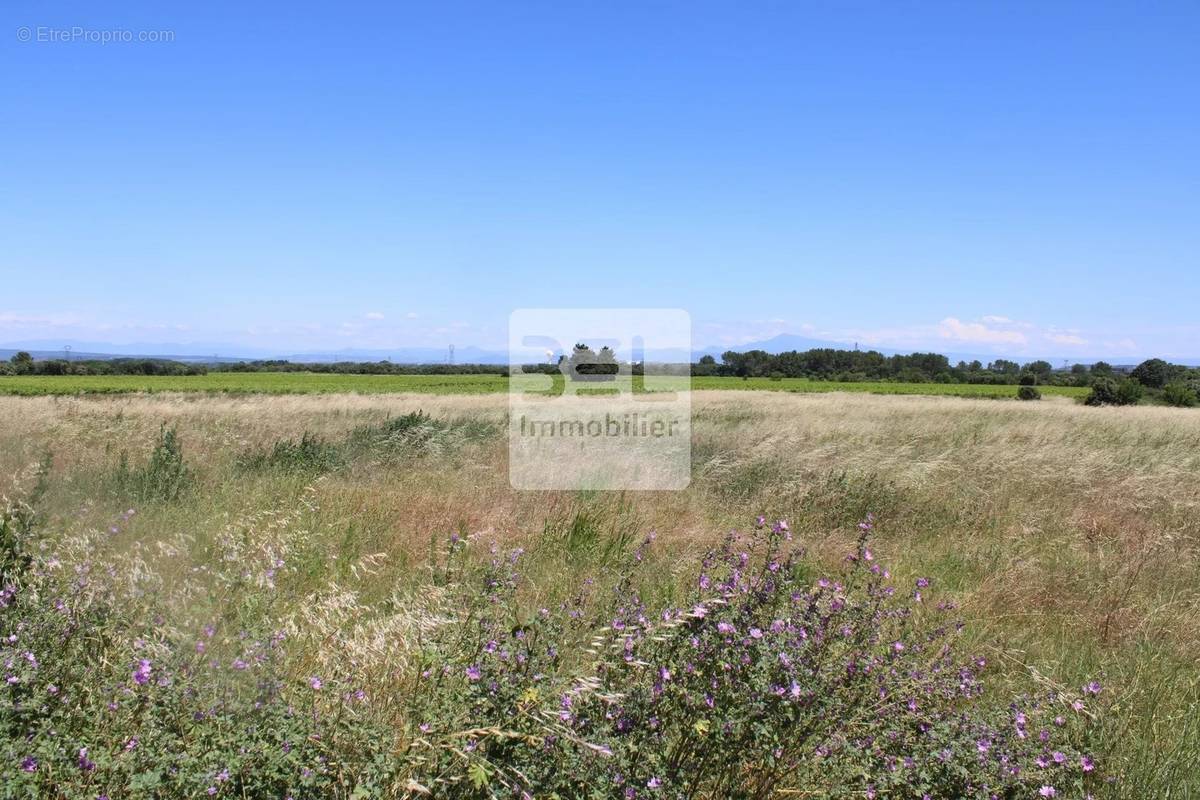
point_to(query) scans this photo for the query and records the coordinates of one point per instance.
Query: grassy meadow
(326, 383)
(1065, 538)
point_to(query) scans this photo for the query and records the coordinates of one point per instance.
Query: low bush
(1181, 395)
(1110, 392)
(1028, 393)
(164, 477)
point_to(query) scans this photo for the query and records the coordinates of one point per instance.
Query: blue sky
(1019, 178)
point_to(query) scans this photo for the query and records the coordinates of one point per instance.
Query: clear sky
(1021, 178)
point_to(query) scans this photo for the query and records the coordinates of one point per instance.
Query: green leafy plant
(1181, 395)
(1110, 392)
(164, 477)
(308, 454)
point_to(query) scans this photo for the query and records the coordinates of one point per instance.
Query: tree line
(1173, 383)
(869, 365)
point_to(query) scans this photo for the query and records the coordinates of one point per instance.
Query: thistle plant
(767, 676)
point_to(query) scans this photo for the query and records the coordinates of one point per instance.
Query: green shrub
(165, 476)
(1153, 373)
(1109, 392)
(309, 454)
(1181, 395)
(1028, 379)
(1029, 393)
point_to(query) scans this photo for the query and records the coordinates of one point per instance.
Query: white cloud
(952, 328)
(10, 319)
(996, 320)
(1066, 338)
(1122, 346)
(374, 315)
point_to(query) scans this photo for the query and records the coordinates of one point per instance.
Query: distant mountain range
(210, 353)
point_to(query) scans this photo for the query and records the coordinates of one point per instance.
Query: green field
(325, 383)
(879, 387)
(252, 383)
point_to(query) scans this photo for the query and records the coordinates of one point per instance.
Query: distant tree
(1180, 394)
(1130, 391)
(735, 363)
(1153, 373)
(1102, 369)
(581, 359)
(22, 363)
(1041, 369)
(1005, 367)
(1110, 392)
(1080, 375)
(706, 366)
(586, 364)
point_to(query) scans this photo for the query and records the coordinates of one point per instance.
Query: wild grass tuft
(164, 476)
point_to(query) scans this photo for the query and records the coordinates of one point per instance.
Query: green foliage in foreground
(766, 678)
(307, 383)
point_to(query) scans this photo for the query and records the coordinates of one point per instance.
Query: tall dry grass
(1069, 535)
